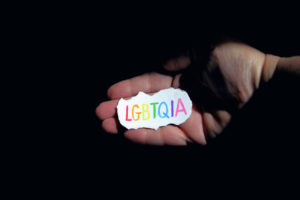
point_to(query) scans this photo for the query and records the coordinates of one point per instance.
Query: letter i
(172, 108)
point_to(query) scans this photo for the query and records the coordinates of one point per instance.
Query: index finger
(148, 83)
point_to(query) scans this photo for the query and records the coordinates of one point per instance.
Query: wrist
(269, 67)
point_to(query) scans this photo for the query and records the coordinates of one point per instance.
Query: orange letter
(138, 113)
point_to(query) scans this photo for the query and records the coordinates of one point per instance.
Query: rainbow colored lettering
(169, 106)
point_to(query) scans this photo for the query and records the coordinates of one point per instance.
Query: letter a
(179, 102)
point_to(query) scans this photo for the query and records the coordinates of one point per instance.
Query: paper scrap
(168, 106)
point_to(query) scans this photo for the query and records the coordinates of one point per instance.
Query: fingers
(110, 125)
(168, 135)
(223, 117)
(176, 81)
(107, 109)
(193, 127)
(106, 112)
(215, 123)
(177, 64)
(212, 127)
(148, 83)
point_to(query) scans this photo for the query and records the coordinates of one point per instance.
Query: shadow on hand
(206, 85)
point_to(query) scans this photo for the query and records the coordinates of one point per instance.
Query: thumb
(177, 64)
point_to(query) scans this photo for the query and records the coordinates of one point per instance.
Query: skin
(242, 67)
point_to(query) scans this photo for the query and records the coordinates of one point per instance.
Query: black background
(80, 51)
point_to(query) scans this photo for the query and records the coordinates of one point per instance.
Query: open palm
(240, 67)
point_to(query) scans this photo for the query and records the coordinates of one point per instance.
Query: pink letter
(180, 110)
(127, 114)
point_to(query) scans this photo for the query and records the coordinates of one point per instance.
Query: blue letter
(165, 114)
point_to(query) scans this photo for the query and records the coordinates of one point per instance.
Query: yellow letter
(145, 110)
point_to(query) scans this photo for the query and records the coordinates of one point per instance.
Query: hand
(225, 84)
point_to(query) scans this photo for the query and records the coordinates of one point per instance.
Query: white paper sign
(168, 106)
